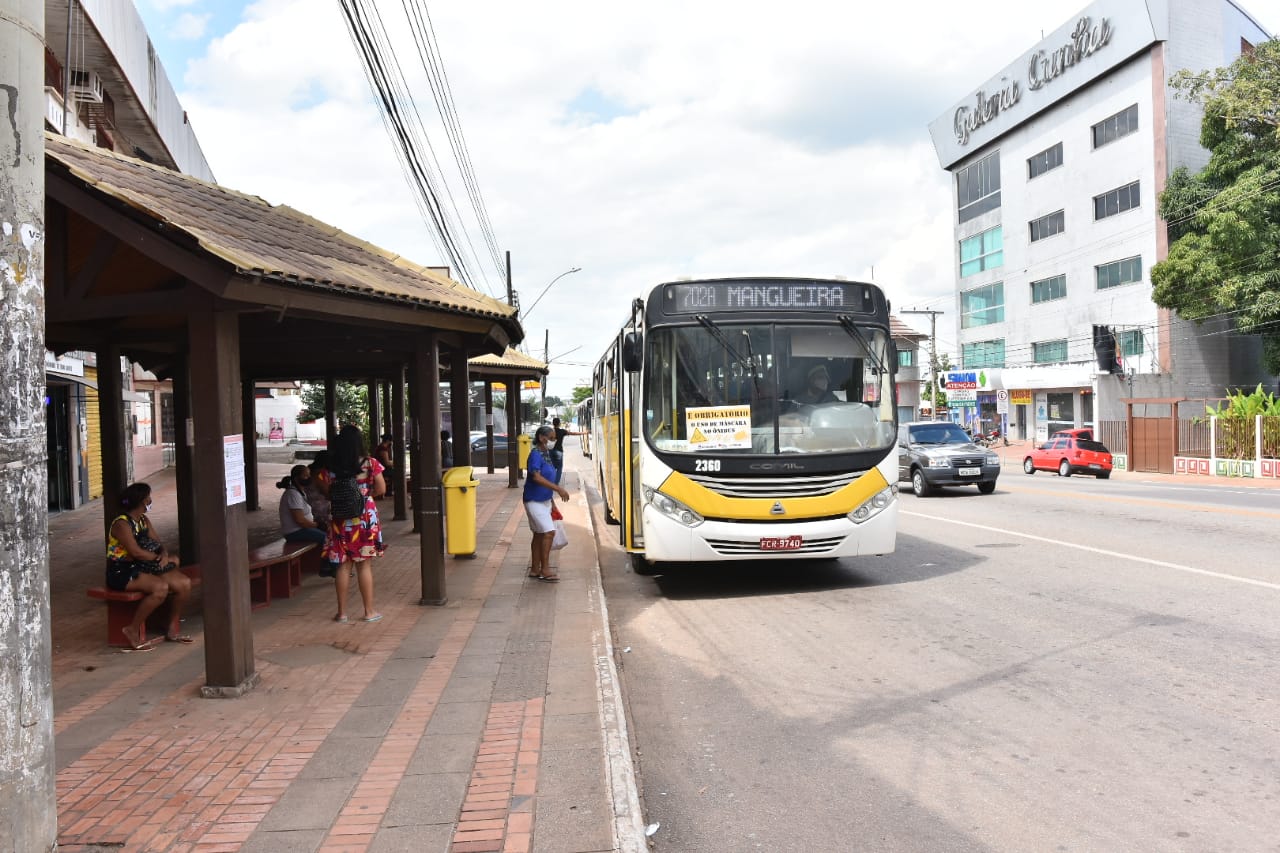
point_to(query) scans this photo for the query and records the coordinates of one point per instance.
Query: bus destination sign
(716, 296)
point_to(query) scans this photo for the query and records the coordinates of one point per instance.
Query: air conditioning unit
(85, 86)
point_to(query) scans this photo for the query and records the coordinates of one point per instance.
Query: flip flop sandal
(374, 618)
(144, 646)
(549, 578)
(341, 620)
(178, 638)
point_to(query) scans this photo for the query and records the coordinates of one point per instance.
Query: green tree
(350, 401)
(1224, 221)
(580, 393)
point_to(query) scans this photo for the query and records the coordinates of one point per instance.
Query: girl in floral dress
(354, 541)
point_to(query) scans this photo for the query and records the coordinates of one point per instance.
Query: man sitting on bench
(297, 522)
(137, 562)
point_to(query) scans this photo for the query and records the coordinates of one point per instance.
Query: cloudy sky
(639, 142)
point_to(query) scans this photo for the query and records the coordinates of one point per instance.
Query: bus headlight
(873, 506)
(671, 508)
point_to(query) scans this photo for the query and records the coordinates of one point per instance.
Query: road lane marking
(1151, 502)
(1104, 552)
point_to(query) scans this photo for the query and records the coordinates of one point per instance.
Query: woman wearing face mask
(540, 487)
(297, 522)
(136, 561)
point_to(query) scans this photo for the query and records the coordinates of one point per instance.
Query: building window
(1038, 164)
(1116, 201)
(978, 187)
(1050, 352)
(982, 306)
(1117, 273)
(983, 251)
(906, 358)
(1129, 344)
(1113, 127)
(983, 354)
(1049, 289)
(1047, 226)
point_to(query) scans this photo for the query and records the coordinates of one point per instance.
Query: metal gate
(1152, 430)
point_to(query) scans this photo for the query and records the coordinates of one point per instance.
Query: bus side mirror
(631, 352)
(893, 357)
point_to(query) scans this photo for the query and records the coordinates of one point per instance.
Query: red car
(1071, 451)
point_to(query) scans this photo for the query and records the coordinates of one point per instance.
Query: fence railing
(1217, 437)
(1114, 434)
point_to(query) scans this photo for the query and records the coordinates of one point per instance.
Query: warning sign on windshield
(718, 427)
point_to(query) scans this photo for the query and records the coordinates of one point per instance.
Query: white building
(1058, 162)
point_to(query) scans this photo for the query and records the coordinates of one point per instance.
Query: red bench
(121, 606)
(279, 569)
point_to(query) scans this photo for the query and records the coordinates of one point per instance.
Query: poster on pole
(233, 468)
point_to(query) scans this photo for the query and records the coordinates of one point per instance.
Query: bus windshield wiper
(705, 322)
(856, 333)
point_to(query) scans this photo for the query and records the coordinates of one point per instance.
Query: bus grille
(776, 487)
(734, 548)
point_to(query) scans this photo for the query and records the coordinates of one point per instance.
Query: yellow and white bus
(582, 423)
(746, 418)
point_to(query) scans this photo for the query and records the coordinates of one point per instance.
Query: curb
(628, 822)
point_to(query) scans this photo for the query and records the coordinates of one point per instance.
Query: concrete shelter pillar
(400, 500)
(249, 429)
(28, 804)
(488, 423)
(115, 470)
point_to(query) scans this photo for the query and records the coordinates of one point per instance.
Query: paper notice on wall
(718, 427)
(233, 468)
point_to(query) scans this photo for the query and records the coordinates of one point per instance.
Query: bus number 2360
(706, 465)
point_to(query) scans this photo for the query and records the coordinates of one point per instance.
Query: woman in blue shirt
(540, 488)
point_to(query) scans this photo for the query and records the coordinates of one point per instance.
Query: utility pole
(933, 353)
(511, 293)
(28, 802)
(546, 359)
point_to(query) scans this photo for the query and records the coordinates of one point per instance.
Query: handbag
(561, 538)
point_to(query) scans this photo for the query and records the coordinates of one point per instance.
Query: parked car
(1069, 452)
(480, 449)
(937, 453)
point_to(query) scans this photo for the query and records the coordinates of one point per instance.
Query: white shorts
(539, 513)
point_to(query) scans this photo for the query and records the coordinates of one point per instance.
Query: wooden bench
(121, 606)
(279, 566)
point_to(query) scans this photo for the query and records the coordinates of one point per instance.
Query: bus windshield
(767, 388)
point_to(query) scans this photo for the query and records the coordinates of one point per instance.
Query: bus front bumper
(667, 540)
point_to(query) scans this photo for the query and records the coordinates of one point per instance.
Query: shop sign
(959, 396)
(1020, 397)
(65, 365)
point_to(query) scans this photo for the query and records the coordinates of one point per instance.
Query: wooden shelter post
(375, 413)
(184, 480)
(399, 500)
(115, 470)
(249, 429)
(488, 423)
(426, 476)
(460, 406)
(330, 410)
(224, 562)
(513, 431)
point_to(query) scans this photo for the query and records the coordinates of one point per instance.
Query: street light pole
(525, 314)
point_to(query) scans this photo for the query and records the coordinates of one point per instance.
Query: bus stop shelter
(215, 290)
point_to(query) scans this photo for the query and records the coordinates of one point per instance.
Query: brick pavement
(482, 725)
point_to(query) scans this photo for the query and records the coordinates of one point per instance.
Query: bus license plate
(781, 543)
(970, 472)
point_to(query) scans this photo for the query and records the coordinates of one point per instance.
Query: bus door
(633, 535)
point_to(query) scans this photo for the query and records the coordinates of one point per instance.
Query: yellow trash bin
(460, 510)
(524, 444)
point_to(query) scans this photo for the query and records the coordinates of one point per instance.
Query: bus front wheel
(641, 566)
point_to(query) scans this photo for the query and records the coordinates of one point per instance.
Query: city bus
(749, 418)
(582, 417)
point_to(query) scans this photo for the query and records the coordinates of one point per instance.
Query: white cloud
(644, 143)
(189, 26)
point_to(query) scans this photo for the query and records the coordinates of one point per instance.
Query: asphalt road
(1065, 665)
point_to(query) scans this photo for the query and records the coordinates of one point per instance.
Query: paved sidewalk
(492, 723)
